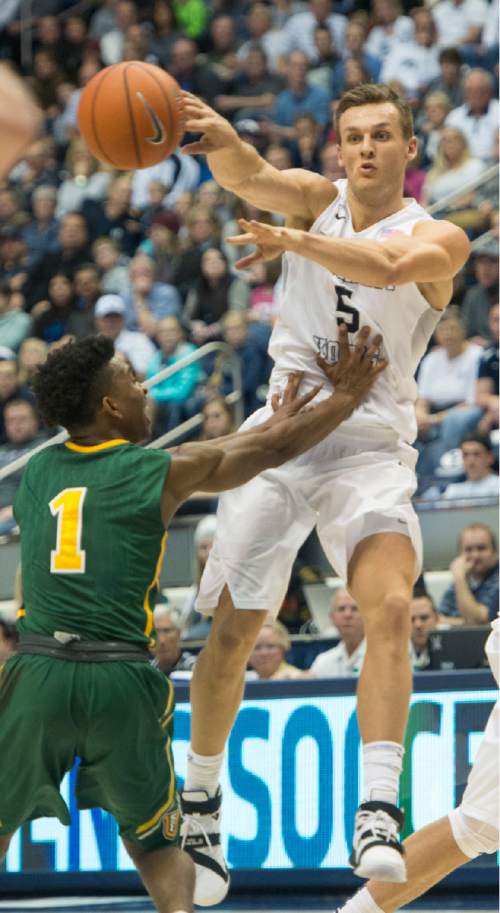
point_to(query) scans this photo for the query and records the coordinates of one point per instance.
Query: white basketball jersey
(313, 302)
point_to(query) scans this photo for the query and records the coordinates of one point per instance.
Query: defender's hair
(371, 94)
(71, 384)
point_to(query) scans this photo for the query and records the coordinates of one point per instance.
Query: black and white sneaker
(200, 837)
(377, 852)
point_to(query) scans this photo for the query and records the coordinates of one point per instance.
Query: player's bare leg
(431, 854)
(168, 876)
(216, 692)
(381, 575)
(4, 845)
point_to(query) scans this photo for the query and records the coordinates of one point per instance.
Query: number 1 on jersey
(68, 557)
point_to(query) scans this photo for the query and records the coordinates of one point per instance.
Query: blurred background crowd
(143, 258)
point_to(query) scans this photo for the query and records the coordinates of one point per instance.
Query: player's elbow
(430, 265)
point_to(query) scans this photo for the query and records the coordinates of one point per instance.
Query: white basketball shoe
(200, 837)
(377, 852)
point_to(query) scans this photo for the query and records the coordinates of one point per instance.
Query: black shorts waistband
(71, 647)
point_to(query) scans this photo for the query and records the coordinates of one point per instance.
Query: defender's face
(129, 400)
(372, 147)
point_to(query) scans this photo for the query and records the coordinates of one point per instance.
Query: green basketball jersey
(92, 539)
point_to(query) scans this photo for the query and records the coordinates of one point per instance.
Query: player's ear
(412, 150)
(111, 408)
(339, 155)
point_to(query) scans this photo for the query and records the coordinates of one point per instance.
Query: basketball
(130, 115)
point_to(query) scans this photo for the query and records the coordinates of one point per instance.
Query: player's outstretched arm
(20, 119)
(434, 253)
(228, 462)
(238, 167)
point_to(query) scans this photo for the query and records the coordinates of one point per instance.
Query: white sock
(382, 763)
(362, 902)
(203, 771)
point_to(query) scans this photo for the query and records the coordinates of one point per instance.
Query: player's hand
(356, 370)
(216, 132)
(289, 402)
(270, 241)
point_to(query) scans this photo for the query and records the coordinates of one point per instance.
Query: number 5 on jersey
(68, 557)
(345, 313)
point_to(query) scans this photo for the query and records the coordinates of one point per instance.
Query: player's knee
(233, 641)
(389, 622)
(472, 836)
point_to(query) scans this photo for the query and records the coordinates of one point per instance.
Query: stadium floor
(244, 905)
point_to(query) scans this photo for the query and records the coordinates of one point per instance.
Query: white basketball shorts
(346, 487)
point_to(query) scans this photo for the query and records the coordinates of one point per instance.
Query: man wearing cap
(109, 317)
(481, 296)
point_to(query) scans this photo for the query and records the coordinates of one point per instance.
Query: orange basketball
(130, 115)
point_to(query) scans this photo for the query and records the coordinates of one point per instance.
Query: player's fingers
(240, 239)
(343, 341)
(360, 346)
(325, 365)
(199, 148)
(275, 402)
(245, 262)
(303, 401)
(293, 383)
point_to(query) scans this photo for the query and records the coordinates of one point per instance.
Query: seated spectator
(22, 432)
(267, 659)
(72, 252)
(460, 22)
(112, 265)
(354, 49)
(472, 598)
(487, 378)
(86, 181)
(177, 175)
(414, 63)
(10, 386)
(480, 481)
(161, 243)
(11, 214)
(215, 293)
(483, 295)
(263, 303)
(253, 91)
(169, 657)
(301, 27)
(436, 109)
(446, 390)
(41, 234)
(324, 72)
(15, 324)
(148, 301)
(192, 75)
(44, 80)
(218, 419)
(14, 260)
(113, 216)
(137, 348)
(8, 640)
(273, 41)
(298, 98)
(221, 54)
(38, 166)
(424, 619)
(347, 657)
(197, 626)
(172, 394)
(390, 29)
(477, 118)
(450, 77)
(51, 315)
(111, 44)
(452, 168)
(32, 353)
(306, 147)
(254, 363)
(330, 165)
(164, 33)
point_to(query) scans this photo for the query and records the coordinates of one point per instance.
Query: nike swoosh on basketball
(159, 136)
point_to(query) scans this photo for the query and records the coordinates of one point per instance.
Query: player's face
(373, 150)
(129, 399)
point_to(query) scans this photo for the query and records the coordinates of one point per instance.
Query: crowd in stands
(143, 257)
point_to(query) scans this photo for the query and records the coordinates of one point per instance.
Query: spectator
(178, 174)
(192, 16)
(424, 619)
(171, 395)
(161, 243)
(192, 76)
(390, 29)
(73, 252)
(10, 387)
(22, 431)
(137, 348)
(46, 77)
(477, 118)
(164, 33)
(218, 419)
(481, 296)
(267, 658)
(87, 288)
(263, 304)
(221, 56)
(279, 157)
(103, 20)
(15, 324)
(11, 214)
(450, 79)
(354, 49)
(487, 378)
(111, 44)
(32, 354)
(472, 598)
(197, 626)
(306, 146)
(253, 91)
(347, 657)
(480, 481)
(215, 293)
(298, 98)
(86, 181)
(169, 655)
(446, 385)
(259, 23)
(324, 72)
(453, 167)
(330, 165)
(414, 63)
(301, 27)
(39, 166)
(112, 265)
(41, 234)
(148, 301)
(460, 22)
(13, 257)
(113, 216)
(51, 315)
(8, 640)
(436, 109)
(254, 364)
